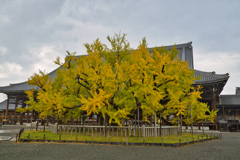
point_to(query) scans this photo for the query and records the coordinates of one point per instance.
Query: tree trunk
(138, 121)
(160, 125)
(178, 125)
(155, 125)
(191, 119)
(105, 121)
(181, 126)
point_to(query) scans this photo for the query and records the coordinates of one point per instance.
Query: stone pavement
(225, 149)
(8, 132)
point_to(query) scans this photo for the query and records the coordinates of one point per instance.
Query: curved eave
(210, 77)
(230, 105)
(18, 88)
(211, 81)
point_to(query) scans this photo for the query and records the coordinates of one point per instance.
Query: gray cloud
(34, 33)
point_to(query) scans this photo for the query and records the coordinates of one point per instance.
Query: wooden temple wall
(11, 116)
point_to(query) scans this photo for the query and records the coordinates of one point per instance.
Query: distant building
(228, 112)
(212, 87)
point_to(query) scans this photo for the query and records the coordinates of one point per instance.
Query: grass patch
(39, 135)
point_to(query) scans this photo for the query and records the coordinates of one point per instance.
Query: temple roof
(19, 88)
(229, 99)
(209, 77)
(185, 52)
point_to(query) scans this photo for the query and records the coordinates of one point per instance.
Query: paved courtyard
(228, 148)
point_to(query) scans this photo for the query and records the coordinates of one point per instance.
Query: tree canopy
(116, 81)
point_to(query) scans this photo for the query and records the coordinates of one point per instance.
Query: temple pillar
(237, 114)
(224, 114)
(27, 116)
(15, 112)
(6, 115)
(214, 107)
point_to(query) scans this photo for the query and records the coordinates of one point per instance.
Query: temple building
(228, 112)
(212, 83)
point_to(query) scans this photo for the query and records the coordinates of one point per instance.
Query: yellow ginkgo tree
(116, 82)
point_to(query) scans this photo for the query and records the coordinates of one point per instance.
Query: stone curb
(124, 143)
(5, 139)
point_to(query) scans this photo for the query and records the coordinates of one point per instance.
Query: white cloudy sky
(34, 32)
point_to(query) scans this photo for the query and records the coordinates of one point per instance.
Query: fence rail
(112, 130)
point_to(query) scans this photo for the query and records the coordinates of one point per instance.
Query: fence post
(129, 131)
(143, 130)
(55, 128)
(64, 130)
(80, 129)
(60, 129)
(104, 132)
(92, 138)
(59, 137)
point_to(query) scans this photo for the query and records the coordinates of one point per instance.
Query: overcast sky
(34, 32)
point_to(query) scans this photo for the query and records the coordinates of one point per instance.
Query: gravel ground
(226, 148)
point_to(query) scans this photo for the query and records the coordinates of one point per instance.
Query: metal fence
(112, 130)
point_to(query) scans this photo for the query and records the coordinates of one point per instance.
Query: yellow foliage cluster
(115, 82)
